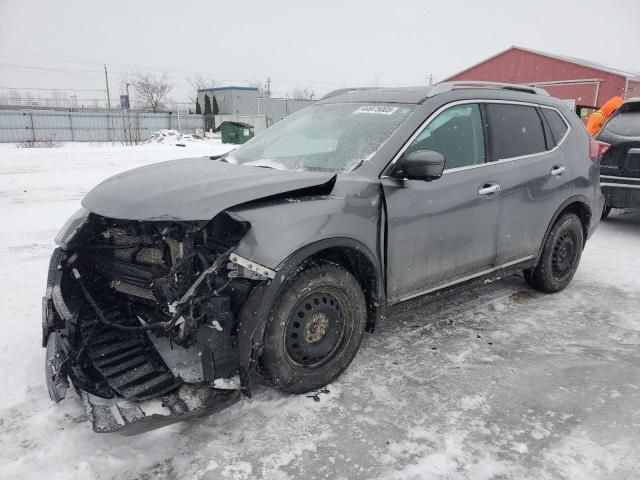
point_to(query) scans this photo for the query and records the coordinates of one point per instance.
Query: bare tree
(199, 82)
(151, 90)
(59, 99)
(264, 88)
(15, 98)
(302, 93)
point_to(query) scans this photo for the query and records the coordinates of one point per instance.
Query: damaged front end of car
(142, 318)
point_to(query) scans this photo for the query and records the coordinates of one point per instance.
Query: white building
(243, 104)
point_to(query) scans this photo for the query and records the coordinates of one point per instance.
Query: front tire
(560, 256)
(315, 329)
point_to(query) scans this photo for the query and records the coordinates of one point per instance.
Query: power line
(50, 57)
(55, 99)
(53, 89)
(238, 76)
(44, 69)
(176, 76)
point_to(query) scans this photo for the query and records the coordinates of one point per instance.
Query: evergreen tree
(208, 114)
(214, 106)
(198, 110)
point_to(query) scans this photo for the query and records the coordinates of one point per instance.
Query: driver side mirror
(423, 165)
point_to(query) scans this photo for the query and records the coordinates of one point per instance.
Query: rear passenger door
(532, 173)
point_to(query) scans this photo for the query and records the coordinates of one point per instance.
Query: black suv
(180, 281)
(620, 166)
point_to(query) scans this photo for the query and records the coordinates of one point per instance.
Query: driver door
(444, 230)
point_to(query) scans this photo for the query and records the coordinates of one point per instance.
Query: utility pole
(430, 80)
(106, 79)
(129, 114)
(268, 92)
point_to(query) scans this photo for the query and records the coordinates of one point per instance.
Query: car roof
(419, 94)
(382, 95)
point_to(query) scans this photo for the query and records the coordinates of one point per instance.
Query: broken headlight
(71, 227)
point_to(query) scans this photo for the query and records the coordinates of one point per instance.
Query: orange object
(598, 118)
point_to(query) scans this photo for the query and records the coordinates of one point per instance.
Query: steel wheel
(315, 329)
(563, 256)
(560, 255)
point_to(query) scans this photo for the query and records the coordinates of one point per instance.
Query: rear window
(556, 123)
(625, 124)
(516, 130)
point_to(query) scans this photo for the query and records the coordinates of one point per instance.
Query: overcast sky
(326, 45)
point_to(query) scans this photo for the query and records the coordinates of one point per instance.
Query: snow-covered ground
(499, 382)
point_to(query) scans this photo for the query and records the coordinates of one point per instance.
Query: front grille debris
(129, 362)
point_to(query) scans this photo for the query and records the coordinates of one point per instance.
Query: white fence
(108, 126)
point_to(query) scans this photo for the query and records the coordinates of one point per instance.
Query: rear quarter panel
(585, 173)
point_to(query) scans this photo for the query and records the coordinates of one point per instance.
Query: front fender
(280, 229)
(283, 234)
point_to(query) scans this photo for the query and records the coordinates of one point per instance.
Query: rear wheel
(560, 256)
(314, 330)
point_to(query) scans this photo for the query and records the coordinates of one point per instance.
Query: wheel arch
(578, 205)
(351, 254)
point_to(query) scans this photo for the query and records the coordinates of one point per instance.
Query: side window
(556, 123)
(457, 133)
(516, 130)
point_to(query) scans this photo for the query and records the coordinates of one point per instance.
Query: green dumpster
(235, 132)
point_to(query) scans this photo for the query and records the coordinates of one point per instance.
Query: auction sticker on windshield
(379, 109)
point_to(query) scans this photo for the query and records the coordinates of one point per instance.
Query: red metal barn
(587, 84)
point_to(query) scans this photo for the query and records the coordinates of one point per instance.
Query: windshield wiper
(220, 157)
(265, 163)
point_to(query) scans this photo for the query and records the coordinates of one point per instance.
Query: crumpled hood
(191, 189)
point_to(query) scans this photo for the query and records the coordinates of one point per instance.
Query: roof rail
(455, 85)
(340, 91)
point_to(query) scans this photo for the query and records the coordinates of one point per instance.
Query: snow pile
(173, 137)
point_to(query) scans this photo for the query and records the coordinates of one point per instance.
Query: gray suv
(183, 281)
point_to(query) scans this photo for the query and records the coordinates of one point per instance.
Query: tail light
(597, 149)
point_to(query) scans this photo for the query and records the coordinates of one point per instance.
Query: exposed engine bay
(151, 313)
(135, 292)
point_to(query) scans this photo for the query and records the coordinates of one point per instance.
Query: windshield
(330, 137)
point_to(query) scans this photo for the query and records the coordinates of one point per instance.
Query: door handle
(489, 188)
(558, 170)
